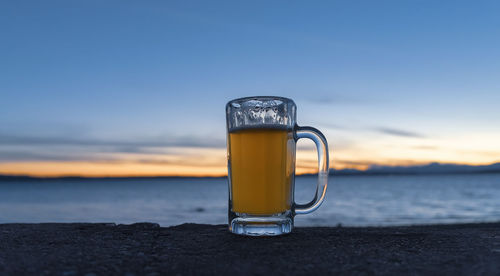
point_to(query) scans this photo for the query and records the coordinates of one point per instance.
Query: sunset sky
(127, 88)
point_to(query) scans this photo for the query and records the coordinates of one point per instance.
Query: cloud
(12, 156)
(50, 154)
(424, 147)
(127, 145)
(353, 162)
(398, 132)
(333, 126)
(59, 148)
(195, 162)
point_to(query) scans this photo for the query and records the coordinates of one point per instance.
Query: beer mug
(261, 141)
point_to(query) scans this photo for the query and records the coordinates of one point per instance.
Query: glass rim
(269, 98)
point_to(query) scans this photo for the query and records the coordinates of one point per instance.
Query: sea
(382, 200)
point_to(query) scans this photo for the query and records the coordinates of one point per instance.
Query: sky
(129, 88)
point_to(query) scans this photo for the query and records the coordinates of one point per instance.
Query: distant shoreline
(429, 169)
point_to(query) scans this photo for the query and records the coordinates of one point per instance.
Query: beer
(262, 162)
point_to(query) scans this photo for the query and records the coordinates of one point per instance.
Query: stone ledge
(193, 249)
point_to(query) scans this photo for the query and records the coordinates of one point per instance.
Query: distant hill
(432, 168)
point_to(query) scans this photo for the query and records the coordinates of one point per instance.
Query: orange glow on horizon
(103, 169)
(97, 169)
(472, 149)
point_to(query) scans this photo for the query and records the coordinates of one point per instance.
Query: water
(351, 200)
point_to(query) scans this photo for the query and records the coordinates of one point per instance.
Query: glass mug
(261, 140)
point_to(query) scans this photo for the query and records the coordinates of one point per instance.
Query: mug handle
(323, 166)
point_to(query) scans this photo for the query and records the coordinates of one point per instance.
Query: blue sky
(389, 82)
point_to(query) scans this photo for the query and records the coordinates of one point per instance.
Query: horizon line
(372, 170)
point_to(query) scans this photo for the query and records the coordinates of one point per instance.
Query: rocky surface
(191, 249)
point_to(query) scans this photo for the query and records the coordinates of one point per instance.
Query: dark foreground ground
(138, 249)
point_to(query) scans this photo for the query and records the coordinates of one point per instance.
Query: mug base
(261, 226)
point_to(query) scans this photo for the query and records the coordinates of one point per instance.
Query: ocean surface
(350, 201)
